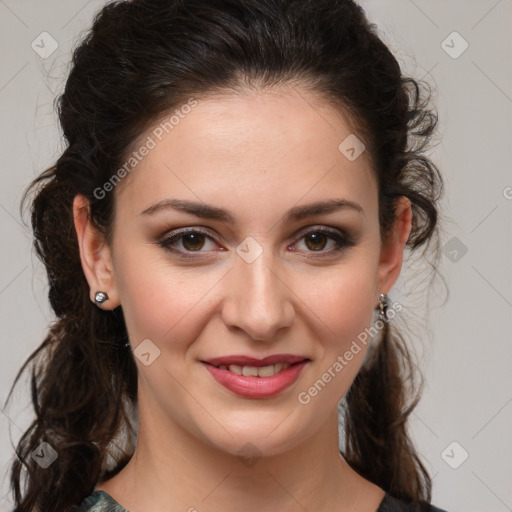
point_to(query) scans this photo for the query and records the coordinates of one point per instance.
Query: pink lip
(256, 387)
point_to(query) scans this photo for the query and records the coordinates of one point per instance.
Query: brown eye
(188, 241)
(193, 241)
(317, 241)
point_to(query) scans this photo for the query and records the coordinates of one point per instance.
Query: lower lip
(256, 387)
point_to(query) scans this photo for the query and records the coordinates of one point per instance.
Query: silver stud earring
(383, 306)
(100, 297)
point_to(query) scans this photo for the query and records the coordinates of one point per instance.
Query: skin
(256, 154)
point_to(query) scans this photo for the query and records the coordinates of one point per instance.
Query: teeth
(267, 371)
(253, 371)
(250, 371)
(235, 369)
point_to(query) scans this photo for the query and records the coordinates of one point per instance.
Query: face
(267, 287)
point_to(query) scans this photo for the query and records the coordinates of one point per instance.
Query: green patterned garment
(100, 501)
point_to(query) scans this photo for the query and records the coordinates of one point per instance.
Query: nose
(258, 300)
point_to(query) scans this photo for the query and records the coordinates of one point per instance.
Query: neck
(171, 467)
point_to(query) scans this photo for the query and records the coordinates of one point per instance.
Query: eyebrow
(206, 211)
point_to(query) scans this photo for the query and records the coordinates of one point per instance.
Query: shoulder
(391, 504)
(100, 501)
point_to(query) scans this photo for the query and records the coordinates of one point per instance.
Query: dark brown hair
(140, 60)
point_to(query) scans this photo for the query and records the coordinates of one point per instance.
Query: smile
(256, 378)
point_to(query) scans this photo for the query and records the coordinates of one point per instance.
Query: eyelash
(343, 241)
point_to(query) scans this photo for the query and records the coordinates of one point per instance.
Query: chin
(258, 435)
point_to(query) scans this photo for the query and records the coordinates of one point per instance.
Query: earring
(100, 297)
(383, 306)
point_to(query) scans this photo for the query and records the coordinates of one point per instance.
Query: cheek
(342, 299)
(341, 308)
(163, 302)
(348, 305)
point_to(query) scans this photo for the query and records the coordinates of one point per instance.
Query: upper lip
(243, 360)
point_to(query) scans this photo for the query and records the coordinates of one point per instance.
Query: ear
(392, 249)
(95, 255)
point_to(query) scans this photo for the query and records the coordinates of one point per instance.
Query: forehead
(253, 151)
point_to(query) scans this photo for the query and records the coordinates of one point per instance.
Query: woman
(221, 234)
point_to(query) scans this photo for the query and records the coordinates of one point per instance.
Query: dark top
(100, 501)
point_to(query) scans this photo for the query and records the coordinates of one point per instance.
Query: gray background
(466, 351)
